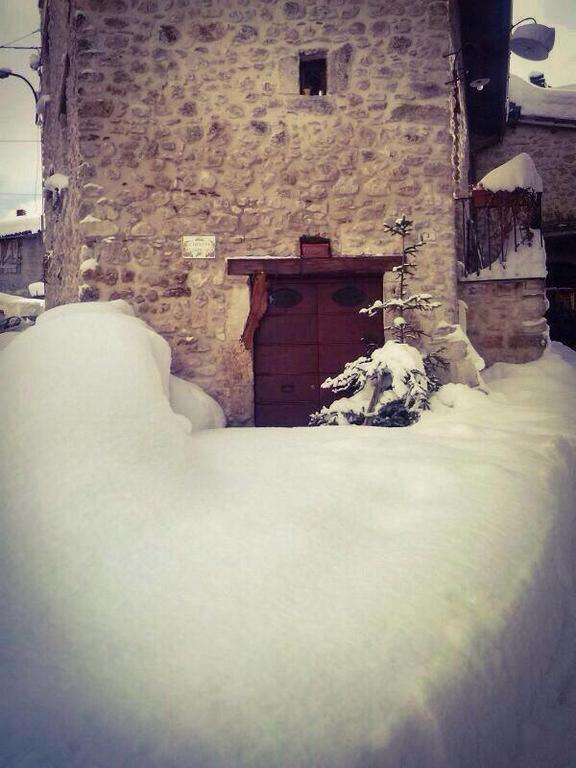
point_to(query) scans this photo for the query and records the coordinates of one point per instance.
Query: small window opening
(313, 73)
(11, 257)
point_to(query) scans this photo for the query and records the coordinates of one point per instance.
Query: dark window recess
(349, 296)
(313, 80)
(10, 257)
(284, 297)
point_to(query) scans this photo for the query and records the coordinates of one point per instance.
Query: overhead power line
(17, 40)
(20, 194)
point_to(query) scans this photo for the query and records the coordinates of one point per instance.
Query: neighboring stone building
(543, 123)
(21, 253)
(210, 143)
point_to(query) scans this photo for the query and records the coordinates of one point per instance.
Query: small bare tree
(401, 328)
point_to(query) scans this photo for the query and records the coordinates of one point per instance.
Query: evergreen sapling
(391, 386)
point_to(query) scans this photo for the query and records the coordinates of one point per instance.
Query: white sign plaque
(199, 246)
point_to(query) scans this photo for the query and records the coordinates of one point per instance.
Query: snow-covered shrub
(391, 386)
(389, 389)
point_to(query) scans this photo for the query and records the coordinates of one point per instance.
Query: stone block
(93, 227)
(346, 185)
(419, 113)
(142, 229)
(339, 68)
(96, 108)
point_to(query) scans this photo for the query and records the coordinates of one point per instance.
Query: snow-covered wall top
(520, 172)
(558, 103)
(19, 225)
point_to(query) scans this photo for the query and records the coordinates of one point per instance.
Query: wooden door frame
(354, 266)
(334, 266)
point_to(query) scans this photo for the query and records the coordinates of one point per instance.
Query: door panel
(333, 357)
(285, 387)
(349, 328)
(288, 329)
(284, 414)
(286, 358)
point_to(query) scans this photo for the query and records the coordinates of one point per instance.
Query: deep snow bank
(261, 598)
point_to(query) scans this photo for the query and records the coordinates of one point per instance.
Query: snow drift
(279, 598)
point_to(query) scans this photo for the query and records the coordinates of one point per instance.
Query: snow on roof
(19, 225)
(554, 103)
(520, 172)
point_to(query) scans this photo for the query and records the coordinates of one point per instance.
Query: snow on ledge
(459, 334)
(37, 289)
(518, 173)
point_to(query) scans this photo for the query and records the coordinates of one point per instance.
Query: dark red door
(312, 327)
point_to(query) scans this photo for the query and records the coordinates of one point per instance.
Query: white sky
(20, 169)
(560, 67)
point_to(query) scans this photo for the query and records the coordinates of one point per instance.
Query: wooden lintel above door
(336, 265)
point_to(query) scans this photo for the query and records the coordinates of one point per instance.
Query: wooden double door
(311, 328)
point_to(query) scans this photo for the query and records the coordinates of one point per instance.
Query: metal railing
(493, 222)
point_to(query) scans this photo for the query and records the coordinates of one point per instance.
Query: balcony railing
(494, 222)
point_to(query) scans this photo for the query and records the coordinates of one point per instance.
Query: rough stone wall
(190, 122)
(32, 252)
(459, 128)
(60, 151)
(554, 153)
(506, 319)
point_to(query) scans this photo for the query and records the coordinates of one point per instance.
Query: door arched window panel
(284, 297)
(349, 296)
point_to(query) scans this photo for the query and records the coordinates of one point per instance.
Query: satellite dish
(533, 41)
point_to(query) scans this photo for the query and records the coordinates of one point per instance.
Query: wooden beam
(336, 265)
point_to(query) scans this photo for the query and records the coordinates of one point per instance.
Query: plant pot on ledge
(315, 248)
(482, 198)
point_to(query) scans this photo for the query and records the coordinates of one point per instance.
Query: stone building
(21, 253)
(543, 122)
(224, 157)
